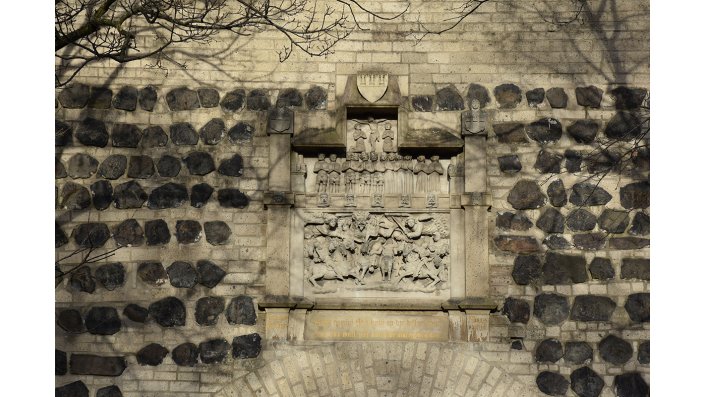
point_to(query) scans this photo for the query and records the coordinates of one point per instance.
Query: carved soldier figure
(378, 175)
(435, 172)
(365, 176)
(407, 167)
(320, 169)
(420, 174)
(334, 169)
(348, 170)
(388, 138)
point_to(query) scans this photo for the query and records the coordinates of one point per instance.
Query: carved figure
(321, 173)
(359, 136)
(334, 169)
(388, 138)
(474, 120)
(435, 172)
(420, 174)
(348, 169)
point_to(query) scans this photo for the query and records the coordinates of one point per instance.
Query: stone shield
(372, 86)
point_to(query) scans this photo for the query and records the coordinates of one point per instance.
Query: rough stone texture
(100, 98)
(510, 132)
(586, 383)
(241, 132)
(233, 100)
(628, 98)
(231, 166)
(110, 275)
(573, 160)
(154, 136)
(126, 98)
(182, 98)
(63, 133)
(208, 97)
(557, 98)
(624, 126)
(556, 242)
(449, 99)
(590, 241)
(89, 364)
(209, 274)
(74, 96)
(241, 310)
(581, 220)
(290, 97)
(126, 135)
(615, 350)
(182, 275)
(535, 97)
(102, 194)
(153, 354)
(316, 98)
(168, 166)
(641, 224)
(247, 346)
(82, 166)
(552, 383)
(74, 197)
(549, 351)
(60, 362)
(644, 352)
(603, 161)
(136, 313)
(551, 309)
(212, 132)
(141, 167)
(92, 132)
(512, 221)
(508, 96)
(103, 320)
(638, 306)
(213, 351)
(129, 195)
(634, 195)
(73, 389)
(556, 193)
(70, 320)
(148, 98)
(577, 353)
(185, 354)
(545, 130)
(476, 91)
(590, 96)
(564, 269)
(516, 344)
(157, 232)
(517, 244)
(152, 273)
(509, 164)
(526, 194)
(199, 163)
(631, 384)
(551, 221)
(82, 280)
(208, 309)
(583, 131)
(168, 312)
(613, 221)
(188, 231)
(169, 195)
(258, 100)
(183, 134)
(592, 308)
(60, 238)
(91, 234)
(601, 269)
(629, 243)
(588, 194)
(527, 269)
(108, 391)
(232, 198)
(200, 194)
(517, 310)
(217, 232)
(422, 103)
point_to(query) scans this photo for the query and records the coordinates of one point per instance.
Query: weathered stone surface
(590, 96)
(233, 100)
(517, 310)
(422, 103)
(182, 98)
(63, 133)
(636, 268)
(126, 135)
(517, 244)
(74, 197)
(89, 364)
(157, 232)
(258, 100)
(592, 308)
(129, 195)
(551, 221)
(70, 320)
(527, 269)
(185, 354)
(624, 126)
(212, 132)
(232, 198)
(82, 166)
(126, 98)
(557, 98)
(152, 273)
(108, 391)
(551, 309)
(154, 136)
(556, 193)
(168, 166)
(535, 97)
(208, 309)
(556, 242)
(638, 307)
(564, 269)
(100, 98)
(213, 351)
(247, 346)
(183, 134)
(549, 351)
(182, 275)
(188, 231)
(141, 167)
(82, 280)
(102, 193)
(73, 389)
(601, 269)
(217, 232)
(510, 132)
(168, 312)
(583, 131)
(644, 352)
(631, 384)
(628, 98)
(613, 221)
(209, 274)
(581, 220)
(516, 345)
(633, 195)
(641, 159)
(148, 98)
(60, 362)
(526, 194)
(545, 130)
(629, 243)
(241, 310)
(552, 383)
(577, 353)
(512, 221)
(200, 193)
(92, 234)
(615, 350)
(641, 224)
(587, 194)
(316, 98)
(586, 382)
(476, 91)
(111, 275)
(199, 163)
(136, 313)
(603, 161)
(60, 238)
(508, 96)
(208, 97)
(92, 132)
(169, 195)
(241, 132)
(153, 354)
(74, 96)
(509, 164)
(232, 166)
(449, 99)
(290, 97)
(103, 320)
(589, 241)
(573, 160)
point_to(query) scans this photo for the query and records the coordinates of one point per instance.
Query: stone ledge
(270, 302)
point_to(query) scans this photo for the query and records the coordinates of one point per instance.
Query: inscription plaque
(375, 326)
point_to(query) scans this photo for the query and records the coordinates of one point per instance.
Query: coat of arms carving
(372, 86)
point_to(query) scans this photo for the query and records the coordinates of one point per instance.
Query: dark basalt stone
(208, 97)
(152, 273)
(168, 312)
(551, 309)
(185, 354)
(168, 166)
(82, 280)
(82, 166)
(209, 274)
(590, 96)
(577, 353)
(517, 310)
(126, 135)
(199, 163)
(60, 238)
(208, 309)
(290, 97)
(552, 383)
(557, 98)
(103, 320)
(527, 269)
(60, 362)
(241, 132)
(70, 320)
(169, 195)
(74, 197)
(182, 275)
(91, 234)
(136, 313)
(556, 242)
(507, 95)
(247, 346)
(74, 96)
(636, 268)
(241, 310)
(526, 194)
(316, 98)
(556, 193)
(233, 100)
(592, 308)
(586, 382)
(603, 161)
(109, 391)
(449, 99)
(113, 166)
(148, 98)
(583, 131)
(613, 221)
(628, 98)
(517, 244)
(213, 351)
(629, 243)
(89, 364)
(640, 224)
(182, 98)
(573, 160)
(126, 98)
(257, 100)
(615, 350)
(516, 345)
(232, 198)
(188, 231)
(476, 91)
(633, 195)
(111, 275)
(551, 221)
(644, 352)
(509, 164)
(157, 232)
(549, 351)
(512, 221)
(232, 166)
(587, 194)
(153, 354)
(63, 133)
(100, 98)
(73, 389)
(581, 220)
(217, 232)
(535, 97)
(154, 136)
(638, 307)
(624, 126)
(422, 103)
(183, 134)
(545, 130)
(92, 132)
(641, 159)
(589, 241)
(564, 269)
(212, 132)
(601, 269)
(129, 195)
(631, 384)
(510, 132)
(141, 167)
(200, 194)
